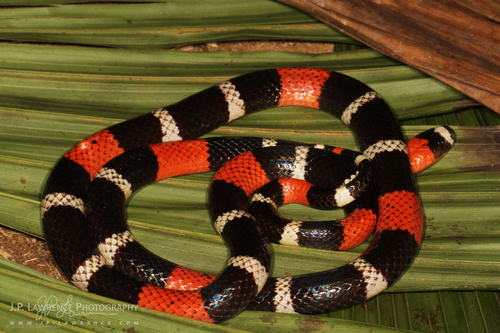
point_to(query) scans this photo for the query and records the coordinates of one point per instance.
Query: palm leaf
(158, 24)
(52, 96)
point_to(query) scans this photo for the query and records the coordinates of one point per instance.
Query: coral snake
(83, 205)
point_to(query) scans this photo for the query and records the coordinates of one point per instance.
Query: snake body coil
(96, 257)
